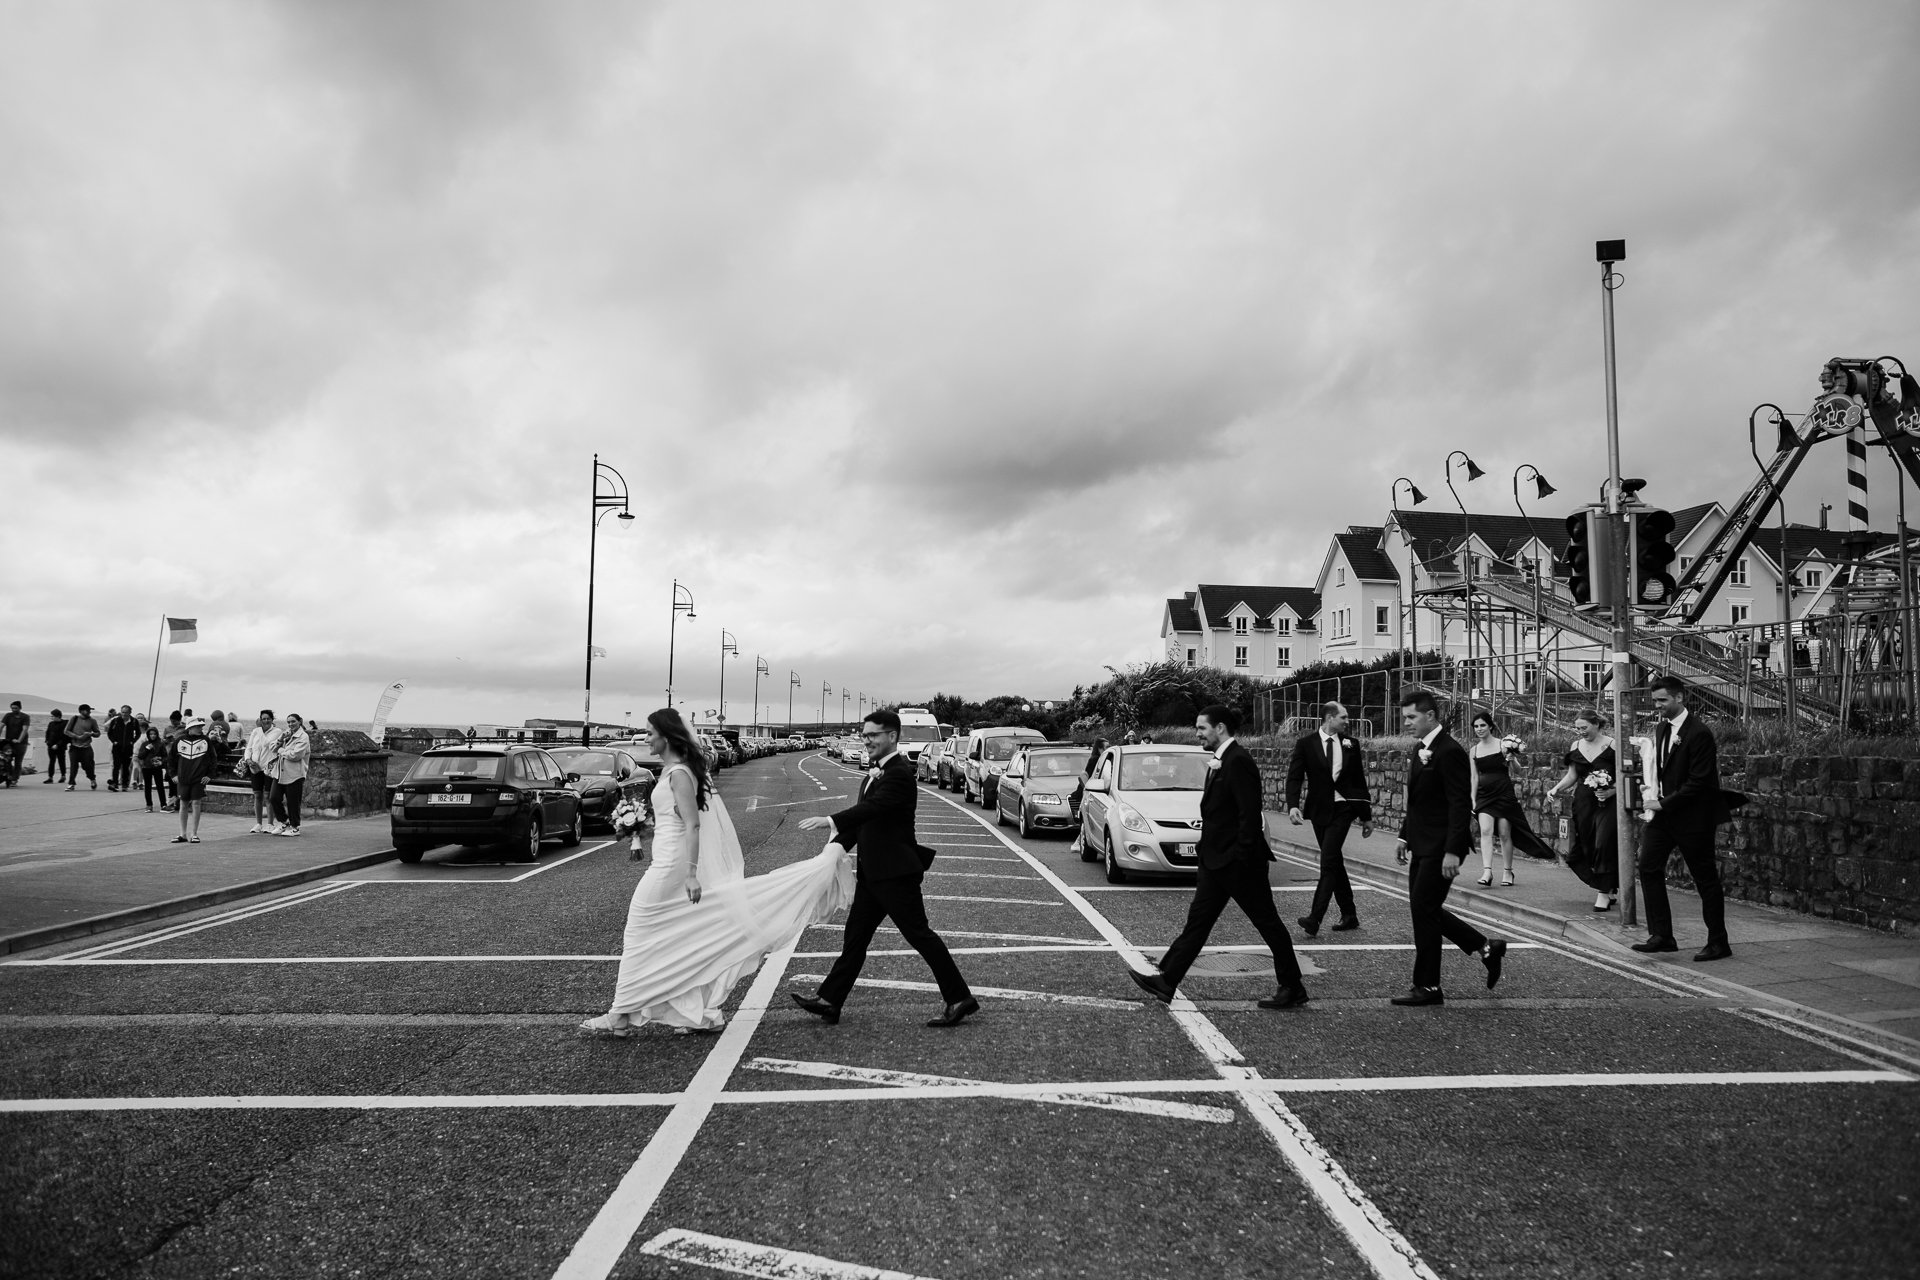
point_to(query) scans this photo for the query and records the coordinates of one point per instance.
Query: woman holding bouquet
(1592, 773)
(1497, 807)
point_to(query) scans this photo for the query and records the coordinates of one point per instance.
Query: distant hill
(36, 706)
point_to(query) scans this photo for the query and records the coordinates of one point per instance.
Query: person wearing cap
(14, 727)
(81, 731)
(289, 769)
(194, 758)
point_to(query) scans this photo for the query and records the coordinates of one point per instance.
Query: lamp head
(1473, 471)
(1418, 497)
(1541, 485)
(626, 516)
(1789, 438)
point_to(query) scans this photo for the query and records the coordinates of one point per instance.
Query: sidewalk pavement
(1861, 976)
(66, 857)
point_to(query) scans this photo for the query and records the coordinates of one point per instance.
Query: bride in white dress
(697, 924)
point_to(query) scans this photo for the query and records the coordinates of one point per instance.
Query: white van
(919, 729)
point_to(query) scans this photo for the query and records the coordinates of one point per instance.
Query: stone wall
(346, 778)
(1834, 836)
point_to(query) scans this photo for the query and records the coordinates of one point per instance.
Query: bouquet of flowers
(1600, 779)
(627, 818)
(1513, 745)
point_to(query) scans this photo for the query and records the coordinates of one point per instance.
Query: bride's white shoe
(613, 1025)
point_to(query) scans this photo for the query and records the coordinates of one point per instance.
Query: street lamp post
(760, 668)
(1788, 439)
(1608, 252)
(728, 645)
(793, 682)
(826, 691)
(679, 607)
(1466, 548)
(1541, 490)
(844, 695)
(614, 497)
(1408, 620)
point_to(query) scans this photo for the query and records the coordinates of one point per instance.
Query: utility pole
(1609, 252)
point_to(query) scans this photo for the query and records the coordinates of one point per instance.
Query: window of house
(1686, 563)
(1339, 577)
(1380, 619)
(1284, 657)
(1239, 655)
(1739, 613)
(1592, 675)
(1239, 626)
(1283, 626)
(1191, 655)
(1812, 578)
(1529, 672)
(1738, 578)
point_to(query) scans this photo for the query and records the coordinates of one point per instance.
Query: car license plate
(460, 797)
(1188, 850)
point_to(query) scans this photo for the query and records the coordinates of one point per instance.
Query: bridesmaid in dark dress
(1595, 852)
(1501, 818)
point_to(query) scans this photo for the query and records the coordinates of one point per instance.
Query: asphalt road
(379, 1075)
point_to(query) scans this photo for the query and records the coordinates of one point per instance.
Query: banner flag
(183, 630)
(381, 712)
(596, 651)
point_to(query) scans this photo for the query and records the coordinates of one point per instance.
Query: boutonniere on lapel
(1213, 765)
(1347, 743)
(874, 772)
(1426, 755)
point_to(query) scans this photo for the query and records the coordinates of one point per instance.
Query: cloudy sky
(939, 343)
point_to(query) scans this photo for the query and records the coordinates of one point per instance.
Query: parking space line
(981, 875)
(1094, 947)
(560, 862)
(1074, 1098)
(760, 1260)
(997, 993)
(788, 804)
(1017, 902)
(169, 933)
(111, 961)
(975, 857)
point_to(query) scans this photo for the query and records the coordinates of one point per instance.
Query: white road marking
(975, 857)
(169, 933)
(760, 1260)
(1811, 1035)
(1254, 1085)
(1096, 949)
(998, 993)
(788, 804)
(1094, 943)
(1385, 1250)
(809, 773)
(1781, 1016)
(323, 960)
(1182, 888)
(981, 875)
(598, 1250)
(1075, 1098)
(559, 862)
(1017, 902)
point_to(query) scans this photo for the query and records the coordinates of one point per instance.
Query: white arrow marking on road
(1103, 1101)
(1001, 993)
(762, 1260)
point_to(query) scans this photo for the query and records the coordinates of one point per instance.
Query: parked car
(953, 763)
(472, 794)
(927, 767)
(1141, 811)
(1037, 791)
(988, 752)
(606, 776)
(853, 751)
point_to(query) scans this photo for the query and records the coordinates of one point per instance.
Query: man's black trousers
(1242, 881)
(1427, 898)
(1696, 850)
(79, 758)
(896, 899)
(1330, 833)
(121, 775)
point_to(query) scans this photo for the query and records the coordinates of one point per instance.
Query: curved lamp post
(1541, 490)
(728, 645)
(1788, 439)
(612, 497)
(1466, 548)
(1409, 621)
(826, 691)
(760, 668)
(793, 682)
(679, 607)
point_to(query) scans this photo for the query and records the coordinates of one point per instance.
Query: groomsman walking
(1333, 770)
(1437, 835)
(1689, 806)
(1233, 867)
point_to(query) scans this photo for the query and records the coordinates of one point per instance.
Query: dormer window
(1239, 626)
(1283, 626)
(1811, 578)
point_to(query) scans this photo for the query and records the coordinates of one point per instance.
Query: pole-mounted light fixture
(609, 494)
(679, 607)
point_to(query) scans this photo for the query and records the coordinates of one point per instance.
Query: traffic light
(1651, 584)
(1587, 560)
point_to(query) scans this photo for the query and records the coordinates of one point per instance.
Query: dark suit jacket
(880, 826)
(1311, 766)
(1231, 826)
(1439, 817)
(1690, 796)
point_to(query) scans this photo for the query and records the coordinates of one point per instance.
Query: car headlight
(1046, 797)
(1132, 820)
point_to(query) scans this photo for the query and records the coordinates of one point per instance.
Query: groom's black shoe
(1494, 952)
(1286, 998)
(815, 1005)
(1419, 996)
(1310, 925)
(1153, 984)
(951, 1015)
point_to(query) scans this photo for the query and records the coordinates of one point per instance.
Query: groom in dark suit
(1689, 806)
(1334, 772)
(891, 862)
(1233, 867)
(1436, 835)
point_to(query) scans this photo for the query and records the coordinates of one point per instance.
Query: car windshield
(1002, 748)
(919, 733)
(485, 768)
(1164, 771)
(1055, 764)
(585, 762)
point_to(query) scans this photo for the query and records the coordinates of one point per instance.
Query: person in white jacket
(254, 763)
(291, 751)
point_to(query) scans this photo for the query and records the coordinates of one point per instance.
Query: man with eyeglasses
(887, 874)
(1687, 807)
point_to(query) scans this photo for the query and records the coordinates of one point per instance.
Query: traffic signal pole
(1609, 252)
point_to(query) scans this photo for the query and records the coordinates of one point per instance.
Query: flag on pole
(595, 651)
(385, 707)
(183, 630)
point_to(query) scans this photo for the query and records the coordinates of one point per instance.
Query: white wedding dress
(680, 959)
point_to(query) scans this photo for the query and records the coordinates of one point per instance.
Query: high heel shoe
(1506, 879)
(609, 1025)
(1486, 877)
(1603, 902)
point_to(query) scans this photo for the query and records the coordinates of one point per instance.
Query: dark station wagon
(480, 795)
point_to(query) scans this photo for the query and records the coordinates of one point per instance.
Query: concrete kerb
(1393, 877)
(51, 934)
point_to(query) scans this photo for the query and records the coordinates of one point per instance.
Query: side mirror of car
(573, 777)
(1097, 784)
(1015, 771)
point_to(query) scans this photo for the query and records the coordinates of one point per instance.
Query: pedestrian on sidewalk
(56, 739)
(1080, 791)
(15, 726)
(1593, 771)
(255, 767)
(194, 759)
(122, 734)
(1436, 836)
(289, 768)
(81, 731)
(1233, 857)
(1687, 807)
(152, 756)
(1496, 806)
(1332, 768)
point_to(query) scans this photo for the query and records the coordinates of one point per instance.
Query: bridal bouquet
(1599, 779)
(1513, 745)
(627, 818)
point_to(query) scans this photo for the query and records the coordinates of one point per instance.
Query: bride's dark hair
(667, 722)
